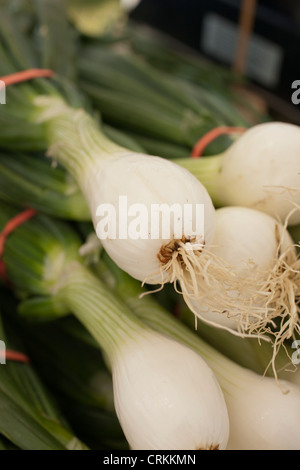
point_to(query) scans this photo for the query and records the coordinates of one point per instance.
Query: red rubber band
(19, 219)
(15, 356)
(12, 79)
(25, 75)
(205, 140)
(7, 230)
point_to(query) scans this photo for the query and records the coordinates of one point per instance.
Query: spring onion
(267, 271)
(259, 170)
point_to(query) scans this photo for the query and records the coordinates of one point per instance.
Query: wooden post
(246, 22)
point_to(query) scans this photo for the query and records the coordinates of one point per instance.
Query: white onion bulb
(263, 258)
(146, 180)
(261, 169)
(266, 414)
(167, 398)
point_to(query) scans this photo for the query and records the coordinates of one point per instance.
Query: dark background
(277, 22)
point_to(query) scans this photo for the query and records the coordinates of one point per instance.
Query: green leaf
(22, 429)
(54, 31)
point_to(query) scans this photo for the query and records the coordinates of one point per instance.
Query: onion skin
(146, 180)
(167, 398)
(270, 420)
(262, 170)
(238, 240)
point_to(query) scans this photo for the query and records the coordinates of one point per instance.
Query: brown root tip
(167, 250)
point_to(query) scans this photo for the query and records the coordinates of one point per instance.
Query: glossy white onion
(167, 398)
(145, 180)
(261, 169)
(262, 255)
(266, 414)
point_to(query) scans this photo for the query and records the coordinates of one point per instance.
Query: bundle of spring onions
(119, 122)
(254, 260)
(118, 323)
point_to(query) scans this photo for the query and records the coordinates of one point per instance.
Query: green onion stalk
(160, 386)
(173, 56)
(73, 364)
(247, 352)
(123, 81)
(261, 412)
(295, 234)
(5, 444)
(117, 82)
(31, 179)
(165, 113)
(218, 84)
(74, 370)
(30, 418)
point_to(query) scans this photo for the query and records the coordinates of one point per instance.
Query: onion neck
(74, 136)
(208, 171)
(227, 372)
(110, 322)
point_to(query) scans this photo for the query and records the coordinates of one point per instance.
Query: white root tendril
(265, 304)
(284, 189)
(282, 288)
(199, 276)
